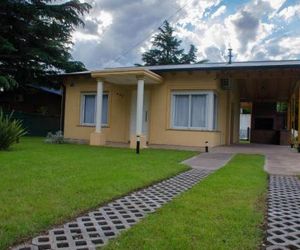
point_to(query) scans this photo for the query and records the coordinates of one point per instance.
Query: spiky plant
(10, 130)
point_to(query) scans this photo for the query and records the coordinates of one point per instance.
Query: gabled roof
(204, 66)
(227, 66)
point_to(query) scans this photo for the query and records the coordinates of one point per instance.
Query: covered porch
(138, 84)
(271, 96)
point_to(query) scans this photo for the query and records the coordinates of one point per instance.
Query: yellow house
(181, 105)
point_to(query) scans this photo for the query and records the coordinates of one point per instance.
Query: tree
(35, 40)
(166, 49)
(190, 56)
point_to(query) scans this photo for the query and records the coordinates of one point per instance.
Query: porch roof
(127, 75)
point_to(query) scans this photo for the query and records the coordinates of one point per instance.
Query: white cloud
(79, 37)
(275, 4)
(291, 45)
(95, 26)
(289, 12)
(122, 29)
(221, 10)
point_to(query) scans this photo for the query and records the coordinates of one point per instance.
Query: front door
(145, 114)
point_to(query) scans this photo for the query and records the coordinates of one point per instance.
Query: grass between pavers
(224, 211)
(46, 184)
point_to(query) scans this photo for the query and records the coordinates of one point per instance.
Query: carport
(271, 90)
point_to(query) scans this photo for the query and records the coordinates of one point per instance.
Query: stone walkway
(283, 231)
(96, 228)
(209, 161)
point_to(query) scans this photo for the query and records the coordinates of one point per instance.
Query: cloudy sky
(117, 32)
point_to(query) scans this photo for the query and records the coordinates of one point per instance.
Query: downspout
(62, 108)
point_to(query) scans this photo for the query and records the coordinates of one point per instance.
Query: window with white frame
(88, 109)
(194, 110)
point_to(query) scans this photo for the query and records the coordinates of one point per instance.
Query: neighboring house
(186, 105)
(38, 107)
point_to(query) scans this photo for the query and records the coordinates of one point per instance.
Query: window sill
(91, 126)
(194, 130)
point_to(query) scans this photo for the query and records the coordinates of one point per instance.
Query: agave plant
(10, 130)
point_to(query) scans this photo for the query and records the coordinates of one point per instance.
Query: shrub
(10, 130)
(56, 138)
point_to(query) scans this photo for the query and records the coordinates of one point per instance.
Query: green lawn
(224, 211)
(45, 184)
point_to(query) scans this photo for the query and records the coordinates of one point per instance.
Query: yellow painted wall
(160, 131)
(119, 110)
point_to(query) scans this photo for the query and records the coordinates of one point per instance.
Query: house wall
(119, 110)
(160, 131)
(160, 120)
(234, 122)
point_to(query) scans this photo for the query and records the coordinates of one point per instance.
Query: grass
(224, 211)
(244, 141)
(45, 184)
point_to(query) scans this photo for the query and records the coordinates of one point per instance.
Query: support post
(294, 116)
(97, 138)
(298, 119)
(248, 133)
(288, 122)
(99, 105)
(139, 112)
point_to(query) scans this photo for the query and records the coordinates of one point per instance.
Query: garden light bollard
(138, 144)
(206, 147)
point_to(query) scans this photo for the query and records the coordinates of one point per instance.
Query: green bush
(56, 138)
(10, 130)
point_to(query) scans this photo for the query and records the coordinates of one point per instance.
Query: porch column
(99, 105)
(139, 112)
(293, 116)
(298, 116)
(97, 138)
(288, 125)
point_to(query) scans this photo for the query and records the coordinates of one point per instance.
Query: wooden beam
(267, 73)
(289, 116)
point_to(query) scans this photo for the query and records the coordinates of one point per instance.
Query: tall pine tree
(166, 49)
(35, 39)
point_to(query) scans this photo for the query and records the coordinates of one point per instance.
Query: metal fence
(38, 124)
(245, 134)
(245, 123)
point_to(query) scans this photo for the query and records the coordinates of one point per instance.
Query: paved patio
(280, 160)
(209, 161)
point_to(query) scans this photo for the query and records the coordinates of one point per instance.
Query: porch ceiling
(264, 84)
(127, 76)
(266, 89)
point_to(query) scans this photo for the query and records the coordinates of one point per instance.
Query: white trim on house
(210, 109)
(82, 109)
(216, 112)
